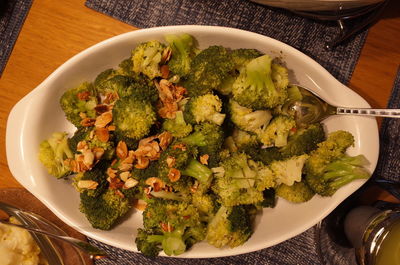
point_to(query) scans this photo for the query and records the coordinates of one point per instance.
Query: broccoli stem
(198, 171)
(196, 139)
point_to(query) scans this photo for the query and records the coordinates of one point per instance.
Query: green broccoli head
(79, 102)
(299, 192)
(149, 248)
(290, 170)
(208, 139)
(126, 67)
(255, 87)
(147, 58)
(304, 140)
(178, 127)
(329, 168)
(204, 108)
(247, 119)
(89, 136)
(239, 180)
(103, 210)
(241, 140)
(133, 117)
(208, 70)
(329, 150)
(184, 49)
(103, 77)
(231, 226)
(173, 225)
(240, 57)
(277, 131)
(53, 152)
(338, 173)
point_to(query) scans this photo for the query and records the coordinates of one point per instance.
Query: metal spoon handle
(390, 113)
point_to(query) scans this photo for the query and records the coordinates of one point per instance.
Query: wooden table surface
(54, 31)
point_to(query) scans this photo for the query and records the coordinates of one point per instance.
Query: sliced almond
(174, 175)
(124, 175)
(130, 183)
(83, 95)
(87, 184)
(102, 134)
(164, 71)
(104, 119)
(170, 161)
(87, 122)
(204, 159)
(140, 205)
(165, 139)
(101, 108)
(112, 173)
(122, 150)
(142, 162)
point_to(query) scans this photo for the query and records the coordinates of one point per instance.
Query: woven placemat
(307, 35)
(12, 17)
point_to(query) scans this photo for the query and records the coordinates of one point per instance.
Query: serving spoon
(27, 217)
(311, 108)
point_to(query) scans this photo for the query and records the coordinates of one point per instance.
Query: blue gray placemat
(12, 17)
(307, 35)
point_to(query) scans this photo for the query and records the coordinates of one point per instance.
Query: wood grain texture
(54, 31)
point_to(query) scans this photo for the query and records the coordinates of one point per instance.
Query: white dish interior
(38, 114)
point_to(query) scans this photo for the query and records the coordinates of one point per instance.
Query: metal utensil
(27, 219)
(311, 108)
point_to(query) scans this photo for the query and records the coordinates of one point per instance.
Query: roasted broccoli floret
(297, 193)
(180, 160)
(89, 136)
(277, 131)
(239, 180)
(303, 141)
(255, 87)
(147, 58)
(104, 210)
(208, 138)
(241, 140)
(204, 108)
(231, 226)
(133, 117)
(208, 70)
(79, 101)
(126, 67)
(269, 200)
(173, 226)
(290, 170)
(93, 182)
(328, 168)
(240, 57)
(206, 203)
(148, 247)
(247, 119)
(178, 127)
(53, 152)
(337, 174)
(183, 51)
(103, 77)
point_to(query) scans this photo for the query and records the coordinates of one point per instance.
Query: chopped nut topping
(124, 175)
(166, 55)
(102, 134)
(119, 193)
(87, 122)
(204, 159)
(87, 184)
(88, 158)
(82, 145)
(125, 167)
(104, 119)
(112, 173)
(170, 95)
(82, 115)
(116, 183)
(164, 71)
(110, 97)
(83, 95)
(98, 152)
(165, 139)
(142, 162)
(180, 146)
(167, 227)
(130, 183)
(122, 150)
(140, 205)
(170, 161)
(155, 183)
(111, 128)
(174, 174)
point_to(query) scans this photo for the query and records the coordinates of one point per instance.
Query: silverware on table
(310, 108)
